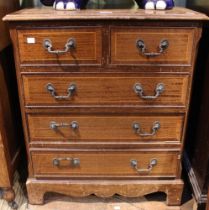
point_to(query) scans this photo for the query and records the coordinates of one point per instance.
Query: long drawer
(78, 128)
(62, 90)
(73, 46)
(105, 164)
(132, 45)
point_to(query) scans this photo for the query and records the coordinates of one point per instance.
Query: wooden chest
(105, 96)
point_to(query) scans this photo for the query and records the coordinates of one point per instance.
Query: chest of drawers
(105, 98)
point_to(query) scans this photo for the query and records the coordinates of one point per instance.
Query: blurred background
(99, 3)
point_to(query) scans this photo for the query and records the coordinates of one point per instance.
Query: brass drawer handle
(73, 162)
(160, 88)
(154, 129)
(70, 45)
(135, 165)
(73, 125)
(164, 44)
(51, 89)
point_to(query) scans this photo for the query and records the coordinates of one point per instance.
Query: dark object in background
(11, 136)
(47, 2)
(196, 159)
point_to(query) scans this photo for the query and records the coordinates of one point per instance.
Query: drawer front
(70, 128)
(84, 46)
(151, 46)
(103, 91)
(104, 164)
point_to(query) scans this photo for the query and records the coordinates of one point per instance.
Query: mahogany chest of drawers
(105, 97)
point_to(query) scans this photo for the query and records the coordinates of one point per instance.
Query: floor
(58, 202)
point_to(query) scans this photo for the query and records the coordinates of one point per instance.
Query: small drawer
(151, 45)
(65, 90)
(105, 164)
(73, 129)
(61, 46)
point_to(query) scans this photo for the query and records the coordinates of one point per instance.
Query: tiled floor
(20, 196)
(58, 202)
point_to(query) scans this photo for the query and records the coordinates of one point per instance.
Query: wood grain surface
(125, 51)
(104, 128)
(105, 164)
(139, 14)
(5, 177)
(208, 200)
(88, 49)
(106, 188)
(105, 90)
(105, 102)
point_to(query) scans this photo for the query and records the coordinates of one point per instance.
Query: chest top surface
(37, 14)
